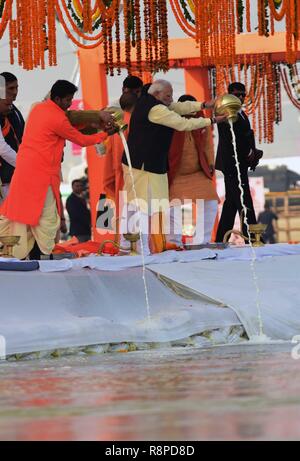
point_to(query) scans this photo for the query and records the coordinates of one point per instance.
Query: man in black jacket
(80, 216)
(12, 126)
(248, 157)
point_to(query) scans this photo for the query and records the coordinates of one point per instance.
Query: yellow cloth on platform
(44, 233)
(149, 187)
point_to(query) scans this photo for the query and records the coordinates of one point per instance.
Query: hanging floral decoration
(88, 23)
(263, 81)
(291, 81)
(212, 24)
(33, 23)
(215, 23)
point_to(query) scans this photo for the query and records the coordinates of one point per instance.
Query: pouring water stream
(140, 228)
(261, 337)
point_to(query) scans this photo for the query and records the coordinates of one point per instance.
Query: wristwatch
(213, 120)
(203, 105)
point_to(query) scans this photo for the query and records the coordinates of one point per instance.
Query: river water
(246, 392)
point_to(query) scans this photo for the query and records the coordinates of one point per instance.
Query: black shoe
(35, 254)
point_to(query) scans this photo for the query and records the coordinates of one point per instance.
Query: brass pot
(229, 105)
(8, 241)
(258, 230)
(85, 120)
(117, 114)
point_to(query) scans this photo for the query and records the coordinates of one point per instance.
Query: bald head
(162, 90)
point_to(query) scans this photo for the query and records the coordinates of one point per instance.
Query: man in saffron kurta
(33, 204)
(191, 168)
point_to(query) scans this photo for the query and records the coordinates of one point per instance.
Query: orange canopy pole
(197, 83)
(95, 96)
(184, 53)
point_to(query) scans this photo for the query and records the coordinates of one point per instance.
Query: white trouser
(209, 215)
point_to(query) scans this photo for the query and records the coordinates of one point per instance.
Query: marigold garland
(117, 38)
(201, 25)
(90, 23)
(262, 80)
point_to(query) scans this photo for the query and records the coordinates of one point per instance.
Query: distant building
(279, 179)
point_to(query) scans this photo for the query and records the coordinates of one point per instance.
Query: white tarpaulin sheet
(116, 263)
(76, 308)
(231, 283)
(245, 253)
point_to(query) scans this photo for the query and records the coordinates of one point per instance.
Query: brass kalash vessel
(228, 105)
(88, 121)
(8, 242)
(132, 238)
(118, 116)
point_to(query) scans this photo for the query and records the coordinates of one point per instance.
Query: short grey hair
(159, 85)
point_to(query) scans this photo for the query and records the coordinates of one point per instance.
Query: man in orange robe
(32, 207)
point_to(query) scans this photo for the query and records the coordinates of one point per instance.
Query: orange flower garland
(248, 16)
(261, 79)
(213, 24)
(76, 28)
(137, 16)
(127, 33)
(207, 34)
(118, 44)
(6, 16)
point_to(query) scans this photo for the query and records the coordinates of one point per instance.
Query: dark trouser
(35, 254)
(84, 237)
(269, 238)
(233, 204)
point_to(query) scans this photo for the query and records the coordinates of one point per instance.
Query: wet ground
(225, 393)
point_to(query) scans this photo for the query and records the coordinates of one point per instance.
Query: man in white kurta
(8, 154)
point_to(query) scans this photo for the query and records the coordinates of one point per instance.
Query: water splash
(261, 337)
(140, 229)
